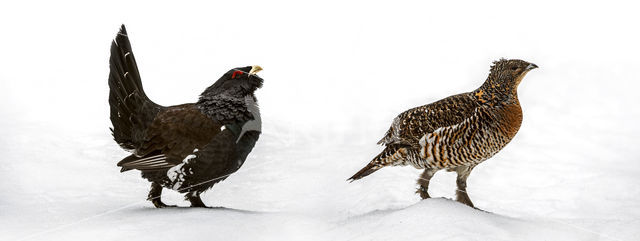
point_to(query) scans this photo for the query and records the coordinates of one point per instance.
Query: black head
(237, 82)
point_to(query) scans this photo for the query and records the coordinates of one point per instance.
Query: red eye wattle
(237, 72)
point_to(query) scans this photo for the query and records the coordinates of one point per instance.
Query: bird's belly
(471, 152)
(211, 168)
(244, 147)
(468, 144)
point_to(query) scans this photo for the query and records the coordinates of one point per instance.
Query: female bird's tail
(370, 168)
(392, 155)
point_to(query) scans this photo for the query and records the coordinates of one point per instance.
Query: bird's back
(408, 127)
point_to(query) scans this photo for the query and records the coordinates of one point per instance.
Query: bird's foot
(195, 200)
(423, 193)
(464, 199)
(200, 205)
(160, 204)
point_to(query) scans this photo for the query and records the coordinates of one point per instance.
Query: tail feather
(131, 110)
(366, 171)
(151, 162)
(392, 155)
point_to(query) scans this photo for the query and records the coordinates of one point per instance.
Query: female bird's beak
(532, 66)
(254, 70)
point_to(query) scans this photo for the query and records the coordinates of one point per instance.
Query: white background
(336, 73)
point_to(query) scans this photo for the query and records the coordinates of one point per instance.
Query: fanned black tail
(131, 110)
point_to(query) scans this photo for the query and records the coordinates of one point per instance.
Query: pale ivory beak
(255, 69)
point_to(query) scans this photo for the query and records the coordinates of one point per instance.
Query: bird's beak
(255, 69)
(532, 66)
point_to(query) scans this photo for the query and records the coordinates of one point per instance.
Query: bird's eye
(514, 67)
(236, 73)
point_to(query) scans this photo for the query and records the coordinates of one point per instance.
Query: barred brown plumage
(458, 132)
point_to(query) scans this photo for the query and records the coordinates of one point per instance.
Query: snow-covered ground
(336, 73)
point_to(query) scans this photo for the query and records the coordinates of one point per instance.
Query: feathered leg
(154, 196)
(195, 200)
(423, 181)
(461, 181)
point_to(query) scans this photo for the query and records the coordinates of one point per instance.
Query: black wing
(176, 133)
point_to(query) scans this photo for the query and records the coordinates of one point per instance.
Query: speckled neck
(498, 89)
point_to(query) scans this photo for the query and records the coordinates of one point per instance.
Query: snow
(336, 74)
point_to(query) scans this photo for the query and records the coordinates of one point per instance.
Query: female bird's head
(237, 82)
(510, 72)
(504, 78)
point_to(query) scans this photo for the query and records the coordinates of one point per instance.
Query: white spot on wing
(177, 173)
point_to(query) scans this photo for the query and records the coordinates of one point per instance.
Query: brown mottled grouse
(458, 132)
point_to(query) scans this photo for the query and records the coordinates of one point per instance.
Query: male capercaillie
(187, 147)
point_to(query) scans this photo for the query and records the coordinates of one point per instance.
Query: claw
(160, 204)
